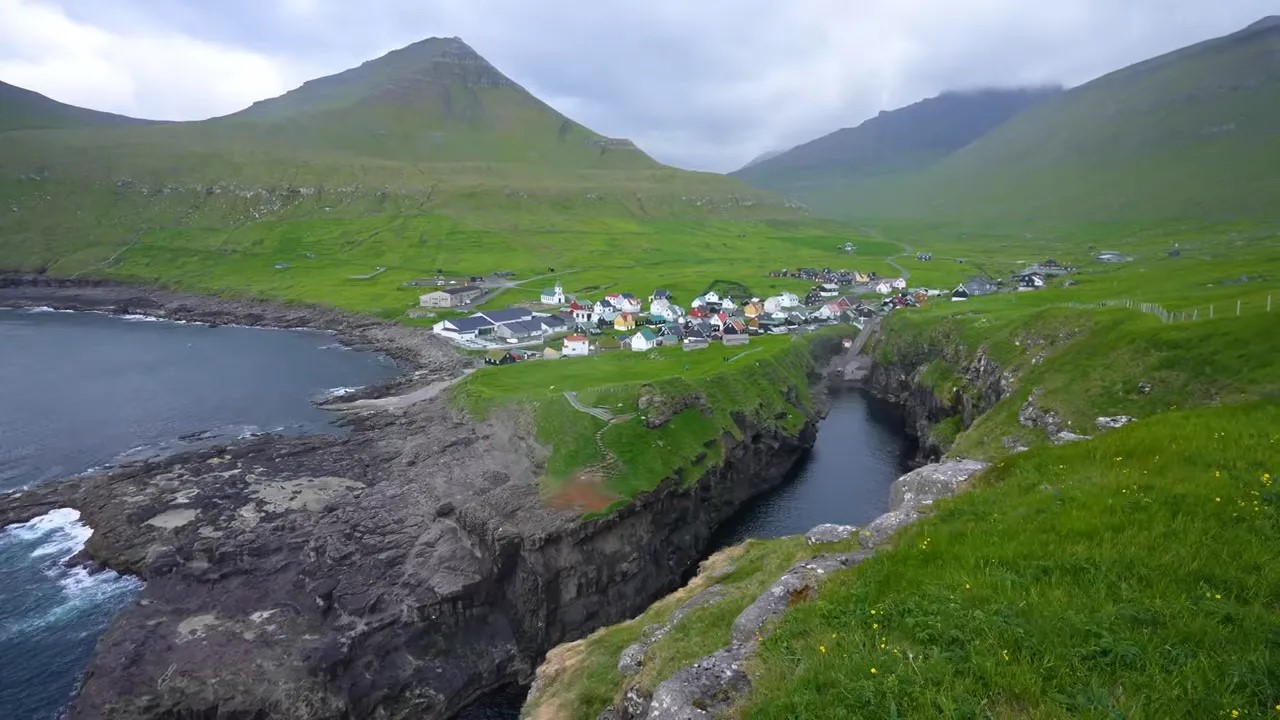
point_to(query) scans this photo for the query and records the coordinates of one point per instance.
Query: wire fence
(1212, 311)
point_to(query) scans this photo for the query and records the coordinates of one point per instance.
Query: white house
(899, 283)
(625, 302)
(605, 306)
(553, 296)
(463, 328)
(644, 340)
(884, 287)
(576, 346)
(712, 297)
(665, 309)
(779, 303)
(828, 290)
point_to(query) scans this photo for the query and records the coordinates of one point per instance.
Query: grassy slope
(22, 109)
(751, 381)
(893, 143)
(1132, 576)
(1181, 136)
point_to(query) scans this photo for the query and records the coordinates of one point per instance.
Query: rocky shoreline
(399, 571)
(414, 348)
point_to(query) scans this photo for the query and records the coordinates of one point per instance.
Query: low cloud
(705, 85)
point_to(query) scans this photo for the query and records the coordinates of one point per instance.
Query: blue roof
(498, 317)
(552, 321)
(524, 328)
(470, 324)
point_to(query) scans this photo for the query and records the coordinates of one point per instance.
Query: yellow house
(624, 322)
(753, 309)
(861, 277)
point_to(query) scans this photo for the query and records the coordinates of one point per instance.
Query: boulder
(828, 533)
(932, 482)
(1111, 423)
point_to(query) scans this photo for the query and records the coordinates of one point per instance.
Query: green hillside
(892, 143)
(21, 109)
(428, 137)
(1191, 134)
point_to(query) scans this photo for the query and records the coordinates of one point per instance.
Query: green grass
(1132, 576)
(764, 383)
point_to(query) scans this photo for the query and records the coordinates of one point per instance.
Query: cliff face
(971, 385)
(398, 572)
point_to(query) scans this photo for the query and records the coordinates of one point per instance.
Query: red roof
(576, 338)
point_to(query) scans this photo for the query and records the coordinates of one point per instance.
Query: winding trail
(595, 412)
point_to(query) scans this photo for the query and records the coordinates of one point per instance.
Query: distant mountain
(435, 100)
(907, 139)
(22, 109)
(429, 129)
(767, 155)
(1190, 134)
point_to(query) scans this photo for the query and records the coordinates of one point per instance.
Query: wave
(337, 392)
(68, 594)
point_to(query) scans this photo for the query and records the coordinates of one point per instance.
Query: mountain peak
(1266, 23)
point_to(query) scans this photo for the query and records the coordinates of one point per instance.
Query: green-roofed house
(644, 340)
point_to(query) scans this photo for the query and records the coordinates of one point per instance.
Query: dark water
(861, 449)
(79, 391)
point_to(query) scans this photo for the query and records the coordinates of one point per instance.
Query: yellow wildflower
(875, 626)
(874, 671)
(822, 649)
(1235, 713)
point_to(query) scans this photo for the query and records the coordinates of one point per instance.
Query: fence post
(1237, 308)
(1210, 312)
(1195, 314)
(1268, 303)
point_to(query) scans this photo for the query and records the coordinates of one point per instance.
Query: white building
(665, 309)
(644, 340)
(553, 296)
(576, 346)
(899, 283)
(884, 287)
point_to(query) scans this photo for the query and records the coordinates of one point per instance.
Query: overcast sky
(705, 84)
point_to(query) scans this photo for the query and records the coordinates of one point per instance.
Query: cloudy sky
(704, 84)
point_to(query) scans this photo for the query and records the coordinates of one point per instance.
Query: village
(563, 325)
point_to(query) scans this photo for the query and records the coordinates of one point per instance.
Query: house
(899, 283)
(779, 303)
(980, 286)
(551, 354)
(712, 297)
(861, 277)
(576, 346)
(552, 324)
(960, 293)
(731, 339)
(1051, 263)
(553, 296)
(734, 327)
(663, 308)
(624, 322)
(924, 256)
(582, 312)
(604, 306)
(660, 294)
(696, 343)
(753, 309)
(451, 297)
(828, 290)
(625, 302)
(883, 287)
(519, 330)
(644, 340)
(464, 328)
(499, 357)
(1030, 281)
